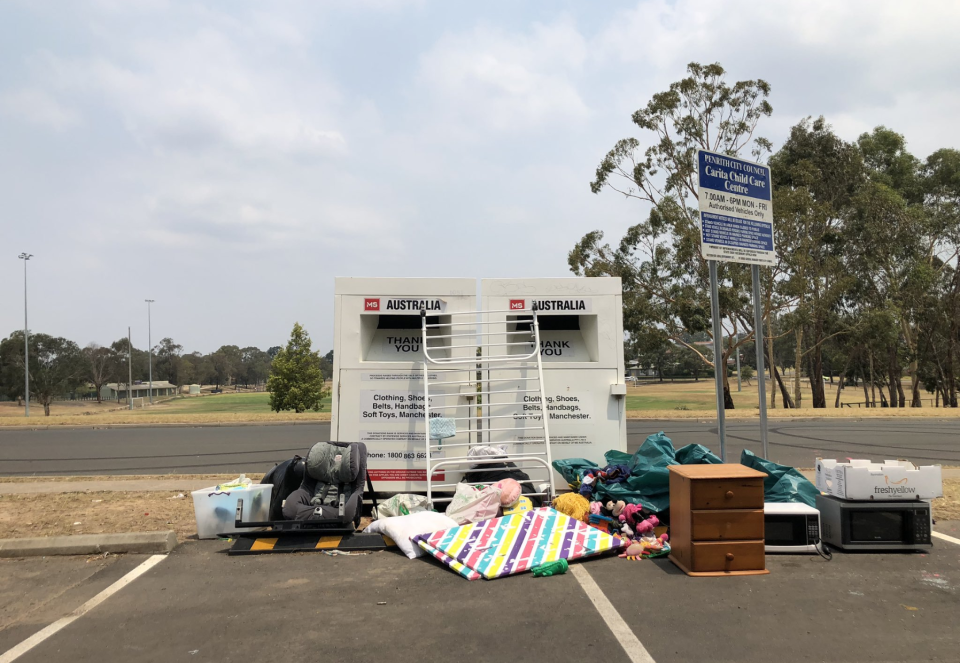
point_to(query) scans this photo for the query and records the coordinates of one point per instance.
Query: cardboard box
(860, 479)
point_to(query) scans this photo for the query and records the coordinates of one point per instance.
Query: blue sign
(736, 209)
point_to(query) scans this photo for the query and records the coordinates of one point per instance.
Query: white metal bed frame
(480, 424)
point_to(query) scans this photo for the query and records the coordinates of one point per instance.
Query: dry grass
(948, 506)
(64, 408)
(212, 478)
(56, 514)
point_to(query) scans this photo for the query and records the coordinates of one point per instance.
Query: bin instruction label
(570, 407)
(399, 405)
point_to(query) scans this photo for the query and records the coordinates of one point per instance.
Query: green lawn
(221, 403)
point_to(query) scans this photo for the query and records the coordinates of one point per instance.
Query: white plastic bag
(470, 505)
(401, 505)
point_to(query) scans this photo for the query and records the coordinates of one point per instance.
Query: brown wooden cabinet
(716, 519)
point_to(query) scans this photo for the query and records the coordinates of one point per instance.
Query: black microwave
(882, 525)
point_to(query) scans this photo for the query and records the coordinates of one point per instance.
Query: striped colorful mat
(513, 544)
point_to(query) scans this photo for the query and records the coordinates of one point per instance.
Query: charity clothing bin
(216, 510)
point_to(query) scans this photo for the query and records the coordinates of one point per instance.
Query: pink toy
(647, 525)
(630, 514)
(509, 491)
(595, 508)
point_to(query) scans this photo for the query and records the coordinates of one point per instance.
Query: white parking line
(40, 636)
(936, 534)
(630, 643)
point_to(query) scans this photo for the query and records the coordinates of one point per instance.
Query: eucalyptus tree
(665, 278)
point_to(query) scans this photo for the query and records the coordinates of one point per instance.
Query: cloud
(505, 81)
(38, 107)
(821, 57)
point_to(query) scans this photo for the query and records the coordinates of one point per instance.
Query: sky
(230, 159)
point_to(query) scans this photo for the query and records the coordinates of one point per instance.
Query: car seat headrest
(331, 463)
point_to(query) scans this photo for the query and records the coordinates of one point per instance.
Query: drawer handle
(729, 557)
(729, 494)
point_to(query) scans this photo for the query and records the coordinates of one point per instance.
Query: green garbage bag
(572, 469)
(649, 482)
(783, 483)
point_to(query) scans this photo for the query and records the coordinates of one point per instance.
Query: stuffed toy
(634, 551)
(509, 492)
(574, 505)
(647, 525)
(631, 514)
(616, 508)
(595, 508)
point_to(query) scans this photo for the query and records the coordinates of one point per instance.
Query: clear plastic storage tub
(216, 511)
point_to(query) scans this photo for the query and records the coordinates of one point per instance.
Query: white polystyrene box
(216, 511)
(861, 479)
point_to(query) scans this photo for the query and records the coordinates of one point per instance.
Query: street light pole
(150, 344)
(26, 338)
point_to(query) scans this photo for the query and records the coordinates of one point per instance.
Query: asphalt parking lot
(199, 604)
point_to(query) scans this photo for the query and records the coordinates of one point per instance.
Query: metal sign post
(758, 342)
(718, 363)
(736, 225)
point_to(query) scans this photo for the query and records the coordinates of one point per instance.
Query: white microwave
(790, 527)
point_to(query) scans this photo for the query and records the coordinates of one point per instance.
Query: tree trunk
(727, 397)
(892, 383)
(770, 363)
(46, 409)
(866, 396)
(873, 388)
(843, 374)
(787, 401)
(950, 384)
(798, 359)
(819, 397)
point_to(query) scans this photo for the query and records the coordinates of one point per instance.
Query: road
(235, 449)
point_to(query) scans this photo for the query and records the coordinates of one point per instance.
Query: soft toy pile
(627, 521)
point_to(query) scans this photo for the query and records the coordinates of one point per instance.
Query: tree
(296, 382)
(816, 177)
(11, 367)
(57, 367)
(227, 363)
(254, 366)
(167, 363)
(746, 373)
(665, 278)
(101, 365)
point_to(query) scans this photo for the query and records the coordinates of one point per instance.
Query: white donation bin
(378, 371)
(581, 343)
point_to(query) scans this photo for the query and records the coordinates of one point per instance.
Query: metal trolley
(505, 378)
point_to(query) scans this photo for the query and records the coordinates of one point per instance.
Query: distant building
(113, 391)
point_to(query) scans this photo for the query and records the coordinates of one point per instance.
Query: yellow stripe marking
(263, 544)
(327, 542)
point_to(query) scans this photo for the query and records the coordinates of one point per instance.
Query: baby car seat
(332, 486)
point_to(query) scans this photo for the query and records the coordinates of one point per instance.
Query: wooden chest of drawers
(716, 519)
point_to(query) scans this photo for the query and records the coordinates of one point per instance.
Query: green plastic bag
(649, 482)
(783, 484)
